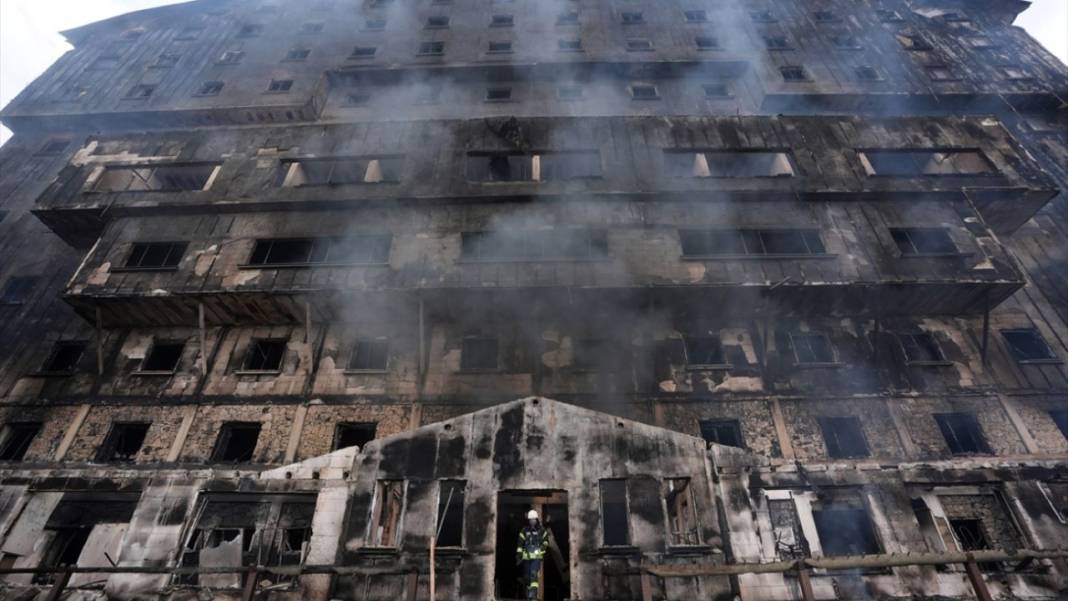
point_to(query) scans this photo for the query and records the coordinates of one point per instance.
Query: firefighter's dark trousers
(533, 570)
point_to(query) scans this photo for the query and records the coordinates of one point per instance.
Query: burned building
(750, 299)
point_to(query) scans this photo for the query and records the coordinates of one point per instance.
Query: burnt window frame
(373, 538)
(249, 30)
(340, 427)
(375, 24)
(695, 15)
(453, 505)
(1049, 357)
(499, 47)
(593, 243)
(694, 537)
(109, 447)
(949, 424)
(867, 73)
(173, 253)
(712, 339)
(391, 164)
(711, 428)
(716, 91)
(297, 54)
(762, 16)
(709, 155)
(209, 88)
(230, 57)
(437, 22)
(140, 91)
(363, 53)
(254, 348)
(502, 20)
(431, 48)
(854, 445)
(639, 45)
(942, 73)
(794, 74)
(279, 86)
(643, 97)
(318, 252)
(521, 168)
(9, 452)
(156, 345)
(591, 354)
(53, 146)
(914, 154)
(499, 94)
(628, 539)
(467, 356)
(777, 42)
(911, 242)
(569, 45)
(845, 41)
(98, 186)
(632, 17)
(1060, 420)
(18, 289)
(380, 345)
(59, 346)
(918, 340)
(706, 43)
(311, 27)
(225, 437)
(832, 360)
(878, 546)
(753, 243)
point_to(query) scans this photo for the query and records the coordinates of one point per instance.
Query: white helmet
(532, 515)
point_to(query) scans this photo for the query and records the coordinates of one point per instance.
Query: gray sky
(30, 40)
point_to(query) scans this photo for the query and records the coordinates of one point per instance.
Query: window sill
(257, 372)
(508, 101)
(337, 184)
(824, 256)
(618, 550)
(653, 99)
(365, 372)
(478, 371)
(1050, 361)
(819, 365)
(143, 269)
(686, 550)
(929, 363)
(386, 551)
(934, 255)
(781, 176)
(709, 367)
(154, 373)
(303, 265)
(51, 374)
(537, 260)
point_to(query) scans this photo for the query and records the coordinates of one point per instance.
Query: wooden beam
(805, 581)
(56, 591)
(975, 577)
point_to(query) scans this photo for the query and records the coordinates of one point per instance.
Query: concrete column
(785, 445)
(295, 433)
(183, 433)
(72, 431)
(1017, 422)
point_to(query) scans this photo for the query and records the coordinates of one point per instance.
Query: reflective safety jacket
(533, 542)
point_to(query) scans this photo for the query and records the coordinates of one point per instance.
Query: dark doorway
(512, 507)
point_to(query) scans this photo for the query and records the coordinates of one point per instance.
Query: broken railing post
(805, 581)
(250, 584)
(976, 578)
(57, 588)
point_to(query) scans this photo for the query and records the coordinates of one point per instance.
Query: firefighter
(533, 542)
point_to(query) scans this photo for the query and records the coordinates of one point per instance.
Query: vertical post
(201, 320)
(99, 341)
(250, 584)
(307, 321)
(805, 581)
(411, 585)
(433, 572)
(422, 338)
(976, 578)
(647, 586)
(60, 584)
(986, 325)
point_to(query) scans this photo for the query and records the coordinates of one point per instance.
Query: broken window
(155, 255)
(913, 241)
(370, 354)
(431, 49)
(160, 178)
(569, 45)
(386, 515)
(53, 146)
(298, 54)
(64, 548)
(1028, 345)
(450, 513)
(479, 353)
(141, 91)
(15, 439)
(341, 171)
(498, 94)
(247, 529)
(716, 90)
(230, 57)
(123, 442)
(1060, 417)
(705, 42)
(592, 354)
(727, 432)
(908, 163)
(704, 350)
(729, 163)
(615, 517)
(363, 52)
(17, 289)
(83, 526)
(845, 530)
(812, 349)
(265, 355)
(210, 88)
(793, 73)
(502, 21)
(437, 22)
(236, 442)
(695, 16)
(970, 536)
(569, 165)
(790, 541)
(844, 437)
(164, 356)
(631, 17)
(65, 357)
(921, 348)
(352, 250)
(681, 512)
(500, 48)
(536, 245)
(962, 434)
(639, 45)
(279, 86)
(354, 434)
(711, 243)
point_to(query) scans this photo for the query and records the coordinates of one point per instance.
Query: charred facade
(291, 290)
